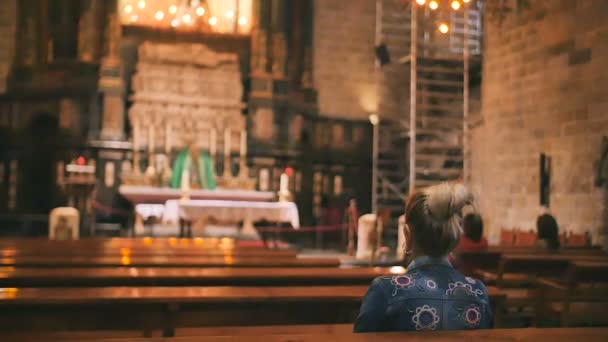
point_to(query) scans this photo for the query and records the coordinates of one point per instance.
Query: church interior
(205, 170)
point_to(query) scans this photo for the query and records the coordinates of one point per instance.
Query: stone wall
(8, 32)
(344, 60)
(543, 91)
(394, 78)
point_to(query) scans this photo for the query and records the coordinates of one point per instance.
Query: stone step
(448, 108)
(438, 156)
(447, 83)
(437, 147)
(438, 54)
(439, 95)
(438, 174)
(421, 183)
(441, 69)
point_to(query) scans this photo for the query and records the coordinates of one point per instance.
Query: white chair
(64, 224)
(401, 238)
(365, 236)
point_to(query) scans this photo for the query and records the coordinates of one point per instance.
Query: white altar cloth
(155, 195)
(247, 212)
(150, 210)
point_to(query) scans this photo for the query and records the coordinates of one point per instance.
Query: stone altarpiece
(185, 92)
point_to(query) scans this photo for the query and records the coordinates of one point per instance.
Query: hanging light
(173, 9)
(195, 3)
(433, 5)
(455, 5)
(200, 11)
(444, 28)
(421, 2)
(187, 18)
(230, 14)
(466, 1)
(141, 4)
(128, 9)
(213, 21)
(159, 15)
(242, 21)
(134, 18)
(175, 23)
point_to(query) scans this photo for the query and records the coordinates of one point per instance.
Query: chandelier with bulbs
(434, 5)
(221, 16)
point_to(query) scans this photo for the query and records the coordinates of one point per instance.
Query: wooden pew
(585, 285)
(486, 264)
(143, 252)
(156, 276)
(165, 308)
(165, 261)
(533, 265)
(339, 333)
(126, 242)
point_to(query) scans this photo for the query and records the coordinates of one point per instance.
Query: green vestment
(205, 173)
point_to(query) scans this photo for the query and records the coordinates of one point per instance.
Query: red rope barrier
(104, 209)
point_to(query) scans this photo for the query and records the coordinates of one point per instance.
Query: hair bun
(446, 200)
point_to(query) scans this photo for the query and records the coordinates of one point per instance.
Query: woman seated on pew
(548, 233)
(431, 295)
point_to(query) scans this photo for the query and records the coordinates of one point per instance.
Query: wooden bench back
(581, 272)
(507, 237)
(525, 239)
(552, 265)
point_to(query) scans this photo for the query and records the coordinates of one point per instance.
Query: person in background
(548, 233)
(431, 295)
(472, 240)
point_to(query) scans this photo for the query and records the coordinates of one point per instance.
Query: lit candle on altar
(185, 183)
(264, 176)
(135, 136)
(151, 139)
(168, 139)
(213, 142)
(243, 143)
(227, 143)
(284, 184)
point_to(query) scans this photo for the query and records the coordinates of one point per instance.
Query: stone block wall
(544, 88)
(8, 33)
(343, 58)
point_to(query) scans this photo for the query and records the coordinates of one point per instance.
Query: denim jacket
(431, 295)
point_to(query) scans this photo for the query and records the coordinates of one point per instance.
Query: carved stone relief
(191, 88)
(263, 127)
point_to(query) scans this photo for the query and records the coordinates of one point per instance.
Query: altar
(187, 120)
(156, 195)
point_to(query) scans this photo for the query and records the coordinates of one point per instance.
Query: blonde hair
(434, 216)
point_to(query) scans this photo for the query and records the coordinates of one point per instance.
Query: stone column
(111, 85)
(8, 43)
(279, 41)
(307, 80)
(259, 36)
(89, 43)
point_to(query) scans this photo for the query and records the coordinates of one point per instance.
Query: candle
(243, 143)
(151, 139)
(185, 186)
(264, 175)
(227, 143)
(135, 136)
(337, 185)
(168, 139)
(284, 185)
(212, 142)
